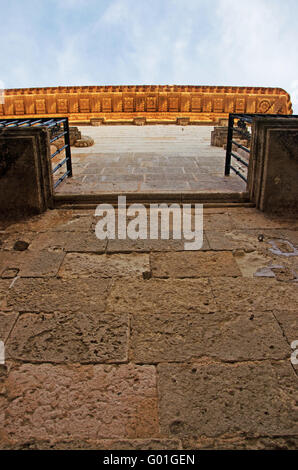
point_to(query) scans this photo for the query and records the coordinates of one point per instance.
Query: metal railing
(59, 128)
(243, 132)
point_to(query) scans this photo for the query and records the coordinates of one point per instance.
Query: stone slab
(4, 290)
(239, 442)
(219, 222)
(58, 295)
(250, 295)
(68, 338)
(253, 219)
(7, 321)
(214, 399)
(56, 402)
(246, 240)
(193, 264)
(57, 220)
(289, 324)
(100, 444)
(30, 263)
(172, 337)
(145, 246)
(79, 242)
(104, 266)
(162, 296)
(8, 240)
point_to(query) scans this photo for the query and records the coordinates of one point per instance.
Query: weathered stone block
(272, 179)
(54, 220)
(55, 402)
(4, 290)
(214, 399)
(96, 444)
(104, 266)
(7, 320)
(224, 336)
(85, 141)
(238, 442)
(58, 295)
(162, 296)
(30, 263)
(220, 222)
(66, 338)
(289, 324)
(193, 264)
(250, 295)
(74, 135)
(80, 242)
(254, 219)
(246, 240)
(145, 246)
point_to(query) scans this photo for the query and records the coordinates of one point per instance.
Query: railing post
(229, 145)
(67, 150)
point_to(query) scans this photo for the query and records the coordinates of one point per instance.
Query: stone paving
(142, 345)
(149, 158)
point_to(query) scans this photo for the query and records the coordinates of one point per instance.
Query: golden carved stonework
(157, 104)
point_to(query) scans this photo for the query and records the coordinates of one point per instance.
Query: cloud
(117, 12)
(224, 42)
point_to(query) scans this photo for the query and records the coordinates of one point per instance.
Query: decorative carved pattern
(40, 106)
(156, 103)
(264, 106)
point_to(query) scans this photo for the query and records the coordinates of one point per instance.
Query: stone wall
(273, 170)
(25, 171)
(158, 104)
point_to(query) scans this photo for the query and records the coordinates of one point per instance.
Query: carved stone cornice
(164, 103)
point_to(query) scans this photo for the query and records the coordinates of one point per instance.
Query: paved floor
(149, 158)
(125, 344)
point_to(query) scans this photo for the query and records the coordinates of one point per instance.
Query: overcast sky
(198, 42)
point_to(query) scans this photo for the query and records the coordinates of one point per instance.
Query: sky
(141, 42)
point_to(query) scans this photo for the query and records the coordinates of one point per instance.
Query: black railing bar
(242, 132)
(25, 125)
(59, 150)
(229, 145)
(239, 159)
(241, 146)
(59, 165)
(8, 121)
(46, 123)
(58, 137)
(34, 122)
(239, 174)
(68, 149)
(12, 123)
(57, 122)
(244, 117)
(24, 122)
(61, 179)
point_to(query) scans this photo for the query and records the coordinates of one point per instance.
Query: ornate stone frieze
(158, 104)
